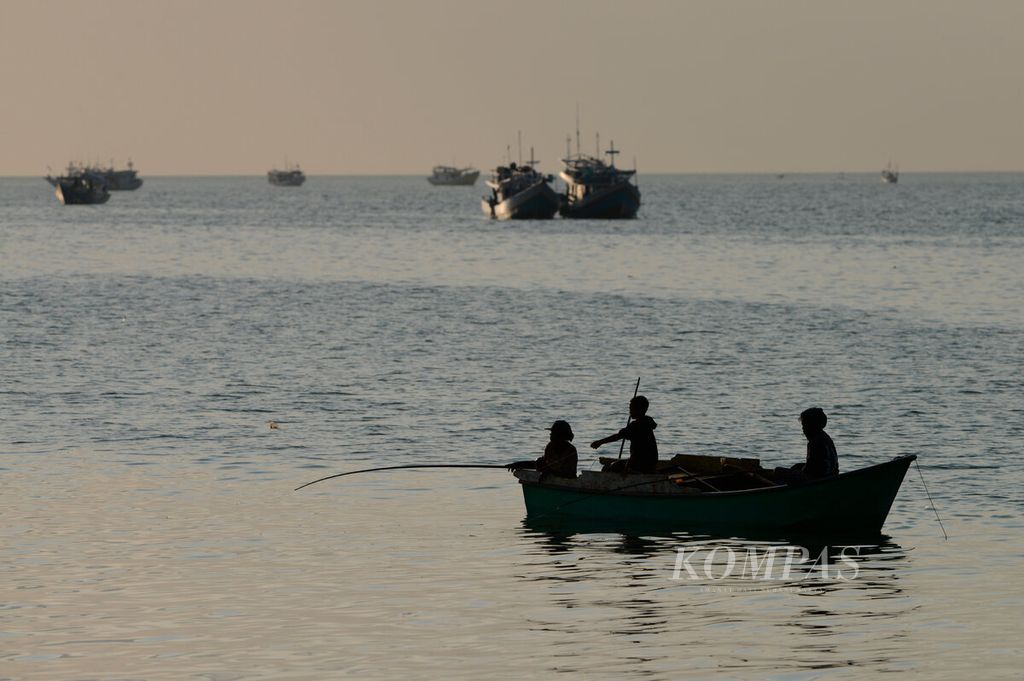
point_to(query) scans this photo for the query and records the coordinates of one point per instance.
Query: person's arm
(622, 434)
(521, 465)
(603, 441)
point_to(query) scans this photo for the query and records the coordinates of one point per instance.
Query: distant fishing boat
(890, 174)
(73, 170)
(739, 495)
(450, 176)
(289, 177)
(114, 180)
(120, 180)
(520, 193)
(82, 188)
(598, 190)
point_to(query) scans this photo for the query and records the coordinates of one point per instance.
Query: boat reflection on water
(750, 561)
(720, 619)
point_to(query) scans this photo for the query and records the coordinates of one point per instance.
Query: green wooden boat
(857, 501)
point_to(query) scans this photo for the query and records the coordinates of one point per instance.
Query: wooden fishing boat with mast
(114, 180)
(520, 192)
(86, 188)
(597, 190)
(291, 176)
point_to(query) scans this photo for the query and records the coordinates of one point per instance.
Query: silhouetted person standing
(643, 447)
(559, 456)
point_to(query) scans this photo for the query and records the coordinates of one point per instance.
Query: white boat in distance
(450, 176)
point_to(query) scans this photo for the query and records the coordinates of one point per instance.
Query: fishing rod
(395, 468)
(629, 418)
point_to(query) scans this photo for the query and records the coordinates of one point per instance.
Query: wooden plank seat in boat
(730, 472)
(700, 464)
(600, 482)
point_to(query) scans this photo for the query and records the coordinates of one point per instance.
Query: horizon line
(673, 172)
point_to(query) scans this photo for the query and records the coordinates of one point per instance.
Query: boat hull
(70, 194)
(619, 202)
(122, 181)
(538, 202)
(463, 180)
(286, 181)
(858, 501)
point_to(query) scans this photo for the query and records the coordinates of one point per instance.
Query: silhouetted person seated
(559, 456)
(643, 447)
(822, 459)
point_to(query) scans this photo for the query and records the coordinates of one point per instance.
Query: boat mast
(577, 128)
(611, 152)
(519, 136)
(597, 141)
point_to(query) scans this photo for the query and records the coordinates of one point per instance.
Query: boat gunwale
(909, 458)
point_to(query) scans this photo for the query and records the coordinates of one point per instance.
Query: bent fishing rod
(413, 465)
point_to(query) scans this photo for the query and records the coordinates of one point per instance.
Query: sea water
(148, 527)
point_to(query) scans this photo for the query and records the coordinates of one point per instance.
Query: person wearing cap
(822, 460)
(643, 447)
(559, 456)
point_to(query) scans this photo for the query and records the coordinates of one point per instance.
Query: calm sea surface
(148, 527)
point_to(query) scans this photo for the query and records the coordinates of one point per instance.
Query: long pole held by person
(412, 465)
(630, 417)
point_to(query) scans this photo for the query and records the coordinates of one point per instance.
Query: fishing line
(944, 535)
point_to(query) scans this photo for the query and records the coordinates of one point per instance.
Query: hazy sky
(232, 87)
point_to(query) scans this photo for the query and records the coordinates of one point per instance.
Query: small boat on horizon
(521, 192)
(120, 180)
(289, 177)
(450, 176)
(720, 493)
(890, 174)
